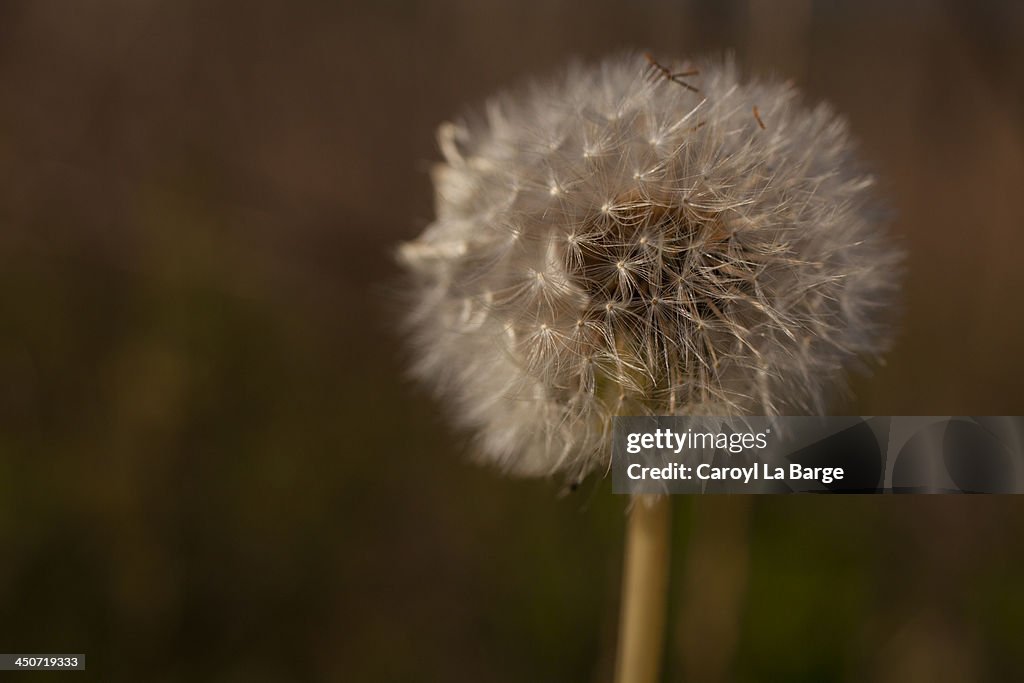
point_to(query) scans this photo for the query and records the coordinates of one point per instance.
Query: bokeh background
(212, 467)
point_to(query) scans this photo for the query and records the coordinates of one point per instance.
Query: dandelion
(629, 239)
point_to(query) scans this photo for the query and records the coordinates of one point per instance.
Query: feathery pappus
(617, 241)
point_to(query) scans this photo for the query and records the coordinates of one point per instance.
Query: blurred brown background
(212, 467)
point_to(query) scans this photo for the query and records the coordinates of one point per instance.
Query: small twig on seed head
(659, 70)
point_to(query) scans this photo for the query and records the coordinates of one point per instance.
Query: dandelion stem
(644, 590)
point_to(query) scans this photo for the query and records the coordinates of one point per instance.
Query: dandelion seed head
(610, 244)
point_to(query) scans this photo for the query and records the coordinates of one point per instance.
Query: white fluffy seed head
(608, 243)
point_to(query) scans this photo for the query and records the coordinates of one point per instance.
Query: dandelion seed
(739, 273)
(757, 117)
